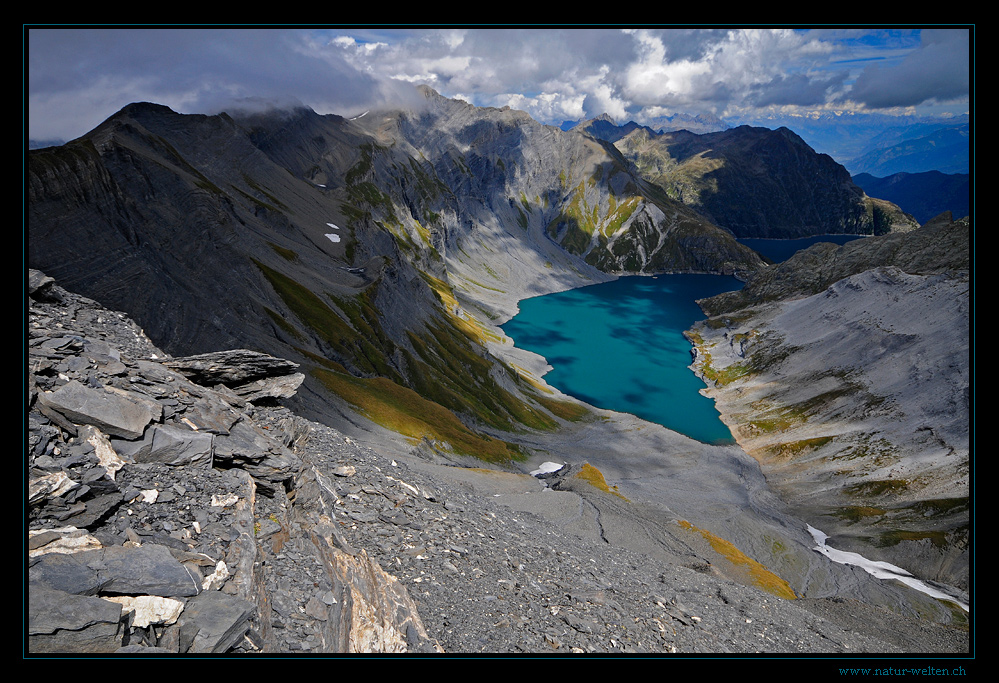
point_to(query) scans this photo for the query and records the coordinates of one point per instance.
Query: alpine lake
(619, 345)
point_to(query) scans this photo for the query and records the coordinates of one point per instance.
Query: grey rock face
(213, 623)
(846, 373)
(366, 552)
(116, 415)
(63, 622)
(147, 570)
(758, 182)
(171, 445)
(231, 367)
(936, 247)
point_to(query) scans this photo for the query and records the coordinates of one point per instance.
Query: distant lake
(620, 346)
(782, 250)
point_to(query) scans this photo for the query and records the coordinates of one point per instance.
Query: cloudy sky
(77, 77)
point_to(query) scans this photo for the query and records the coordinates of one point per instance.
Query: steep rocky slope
(354, 251)
(924, 195)
(845, 372)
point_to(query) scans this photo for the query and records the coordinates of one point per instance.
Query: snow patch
(547, 467)
(880, 570)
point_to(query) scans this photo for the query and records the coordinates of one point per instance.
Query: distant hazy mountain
(604, 128)
(698, 123)
(40, 144)
(849, 135)
(945, 149)
(695, 123)
(924, 195)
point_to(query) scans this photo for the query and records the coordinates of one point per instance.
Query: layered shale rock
(143, 492)
(357, 551)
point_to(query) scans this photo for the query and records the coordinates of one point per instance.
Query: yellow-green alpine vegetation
(755, 572)
(349, 345)
(421, 388)
(792, 450)
(404, 411)
(595, 478)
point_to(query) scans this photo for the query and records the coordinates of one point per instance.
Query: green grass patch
(620, 213)
(895, 536)
(940, 506)
(879, 487)
(778, 421)
(361, 167)
(256, 186)
(280, 321)
(565, 410)
(283, 252)
(328, 325)
(794, 449)
(857, 513)
(521, 217)
(726, 375)
(453, 374)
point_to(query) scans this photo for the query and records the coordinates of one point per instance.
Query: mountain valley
(381, 254)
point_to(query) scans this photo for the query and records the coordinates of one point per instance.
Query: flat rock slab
(63, 622)
(213, 622)
(170, 445)
(231, 367)
(144, 570)
(111, 413)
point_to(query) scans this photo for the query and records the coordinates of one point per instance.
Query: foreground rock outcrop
(143, 499)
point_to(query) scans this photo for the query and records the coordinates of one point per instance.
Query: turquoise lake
(620, 346)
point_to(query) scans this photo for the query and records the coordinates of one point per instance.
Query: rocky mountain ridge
(924, 195)
(755, 182)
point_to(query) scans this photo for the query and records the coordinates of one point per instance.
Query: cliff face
(845, 372)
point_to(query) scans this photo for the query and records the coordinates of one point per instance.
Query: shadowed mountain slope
(755, 182)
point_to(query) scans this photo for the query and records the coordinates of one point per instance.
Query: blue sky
(77, 77)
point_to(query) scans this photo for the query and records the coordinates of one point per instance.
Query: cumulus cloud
(78, 77)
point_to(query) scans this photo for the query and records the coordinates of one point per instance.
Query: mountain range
(923, 195)
(381, 253)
